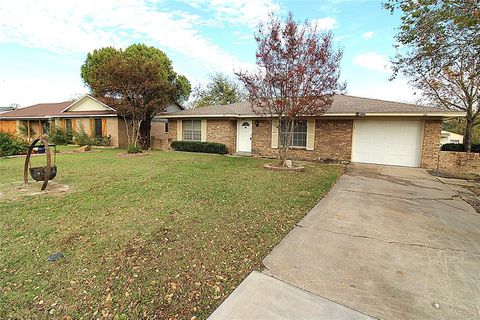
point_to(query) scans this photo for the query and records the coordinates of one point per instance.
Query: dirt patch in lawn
(276, 167)
(131, 155)
(12, 191)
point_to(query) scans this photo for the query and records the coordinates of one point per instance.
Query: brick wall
(122, 133)
(218, 130)
(158, 130)
(459, 162)
(112, 130)
(172, 130)
(9, 126)
(431, 144)
(223, 131)
(333, 140)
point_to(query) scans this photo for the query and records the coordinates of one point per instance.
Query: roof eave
(370, 114)
(58, 116)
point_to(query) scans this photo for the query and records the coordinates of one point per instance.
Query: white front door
(244, 136)
(387, 142)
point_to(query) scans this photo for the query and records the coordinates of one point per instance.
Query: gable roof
(54, 110)
(343, 105)
(83, 98)
(61, 110)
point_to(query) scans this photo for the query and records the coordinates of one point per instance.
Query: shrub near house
(197, 146)
(10, 145)
(459, 147)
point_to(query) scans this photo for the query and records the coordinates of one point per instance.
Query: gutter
(357, 115)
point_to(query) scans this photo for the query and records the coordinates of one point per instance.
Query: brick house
(96, 119)
(353, 129)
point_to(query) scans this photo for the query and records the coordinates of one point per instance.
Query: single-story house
(450, 137)
(96, 118)
(353, 129)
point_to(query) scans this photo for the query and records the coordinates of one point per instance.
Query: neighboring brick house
(95, 117)
(353, 129)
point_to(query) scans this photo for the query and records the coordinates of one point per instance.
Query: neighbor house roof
(53, 110)
(61, 110)
(343, 105)
(7, 109)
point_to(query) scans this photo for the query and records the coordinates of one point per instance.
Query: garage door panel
(387, 142)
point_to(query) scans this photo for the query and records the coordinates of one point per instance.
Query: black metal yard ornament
(45, 173)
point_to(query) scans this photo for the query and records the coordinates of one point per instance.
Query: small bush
(10, 145)
(133, 149)
(23, 130)
(459, 147)
(81, 137)
(58, 136)
(69, 134)
(197, 146)
(102, 141)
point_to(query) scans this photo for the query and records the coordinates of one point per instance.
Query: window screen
(98, 127)
(192, 130)
(299, 135)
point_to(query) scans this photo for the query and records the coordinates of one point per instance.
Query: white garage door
(387, 142)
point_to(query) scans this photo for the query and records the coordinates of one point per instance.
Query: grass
(167, 235)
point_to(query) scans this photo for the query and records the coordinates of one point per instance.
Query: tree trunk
(283, 147)
(467, 138)
(145, 130)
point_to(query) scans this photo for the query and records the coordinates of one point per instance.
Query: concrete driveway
(389, 242)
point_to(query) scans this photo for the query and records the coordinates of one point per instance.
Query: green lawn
(168, 234)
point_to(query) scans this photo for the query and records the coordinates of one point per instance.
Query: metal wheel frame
(49, 162)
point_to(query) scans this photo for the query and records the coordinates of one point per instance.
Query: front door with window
(244, 136)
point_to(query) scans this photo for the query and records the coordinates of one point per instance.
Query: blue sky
(44, 43)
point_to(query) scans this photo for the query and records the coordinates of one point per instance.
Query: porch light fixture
(360, 114)
(257, 123)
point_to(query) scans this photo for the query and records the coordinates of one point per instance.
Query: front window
(299, 135)
(98, 128)
(68, 125)
(192, 130)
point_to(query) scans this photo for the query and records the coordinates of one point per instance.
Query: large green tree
(139, 82)
(439, 52)
(219, 90)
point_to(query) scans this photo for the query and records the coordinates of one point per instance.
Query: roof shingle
(342, 105)
(48, 110)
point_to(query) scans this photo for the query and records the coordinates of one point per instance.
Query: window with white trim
(299, 135)
(192, 130)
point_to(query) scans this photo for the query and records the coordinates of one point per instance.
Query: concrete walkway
(389, 242)
(262, 297)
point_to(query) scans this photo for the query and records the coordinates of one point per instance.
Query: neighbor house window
(98, 128)
(45, 126)
(192, 130)
(299, 136)
(68, 125)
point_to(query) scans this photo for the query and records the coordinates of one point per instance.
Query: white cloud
(36, 89)
(327, 23)
(373, 61)
(81, 26)
(368, 35)
(396, 90)
(238, 12)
